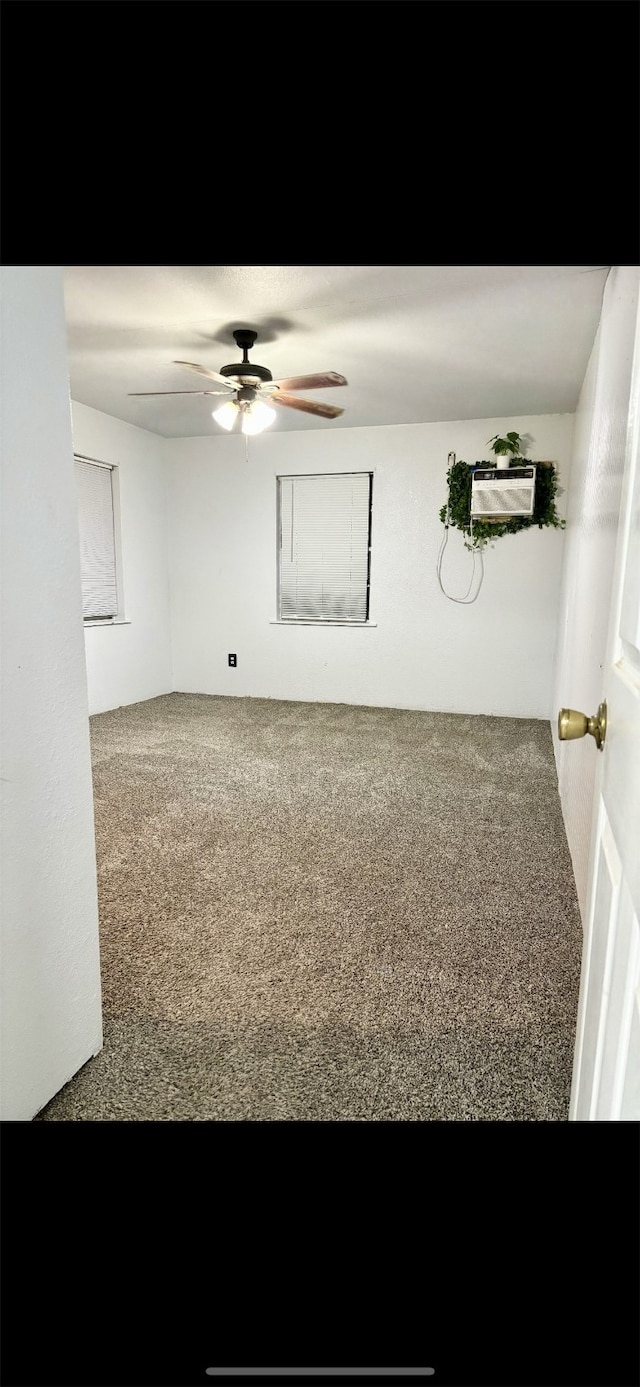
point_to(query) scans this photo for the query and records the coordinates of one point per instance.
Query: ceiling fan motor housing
(245, 370)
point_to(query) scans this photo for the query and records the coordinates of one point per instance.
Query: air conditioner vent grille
(507, 501)
(493, 495)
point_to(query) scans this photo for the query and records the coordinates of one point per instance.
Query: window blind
(97, 540)
(324, 547)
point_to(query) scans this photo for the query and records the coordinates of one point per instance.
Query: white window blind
(324, 547)
(97, 540)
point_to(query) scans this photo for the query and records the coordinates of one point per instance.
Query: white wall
(130, 662)
(51, 1018)
(593, 504)
(425, 652)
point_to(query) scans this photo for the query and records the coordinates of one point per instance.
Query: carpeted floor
(326, 912)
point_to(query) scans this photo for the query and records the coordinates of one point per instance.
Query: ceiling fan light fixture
(257, 417)
(226, 415)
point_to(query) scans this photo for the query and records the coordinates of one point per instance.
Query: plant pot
(503, 460)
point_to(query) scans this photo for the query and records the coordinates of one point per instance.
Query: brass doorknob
(572, 724)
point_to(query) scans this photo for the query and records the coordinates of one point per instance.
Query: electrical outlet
(233, 660)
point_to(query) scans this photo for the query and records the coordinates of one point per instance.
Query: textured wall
(51, 1020)
(425, 652)
(593, 503)
(128, 663)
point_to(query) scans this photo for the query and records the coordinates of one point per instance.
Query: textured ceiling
(417, 343)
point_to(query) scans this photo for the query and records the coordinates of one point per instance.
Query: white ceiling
(417, 343)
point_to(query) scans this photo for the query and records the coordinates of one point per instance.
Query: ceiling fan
(247, 386)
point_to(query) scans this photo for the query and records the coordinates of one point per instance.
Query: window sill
(110, 621)
(293, 621)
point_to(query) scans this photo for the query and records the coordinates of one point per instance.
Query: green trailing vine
(544, 511)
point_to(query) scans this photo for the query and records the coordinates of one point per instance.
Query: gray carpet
(325, 912)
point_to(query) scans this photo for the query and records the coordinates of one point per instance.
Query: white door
(606, 1074)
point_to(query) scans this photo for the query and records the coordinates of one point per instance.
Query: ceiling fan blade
(204, 371)
(177, 392)
(307, 406)
(319, 382)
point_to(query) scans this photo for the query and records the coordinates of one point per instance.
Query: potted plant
(506, 449)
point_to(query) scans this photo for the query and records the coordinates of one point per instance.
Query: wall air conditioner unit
(498, 492)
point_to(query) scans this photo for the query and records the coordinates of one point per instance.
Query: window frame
(320, 621)
(120, 619)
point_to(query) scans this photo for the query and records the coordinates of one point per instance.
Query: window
(324, 547)
(98, 564)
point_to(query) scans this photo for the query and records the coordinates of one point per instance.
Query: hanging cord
(477, 553)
